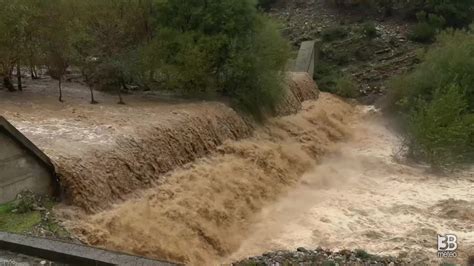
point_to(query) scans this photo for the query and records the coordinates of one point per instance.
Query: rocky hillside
(360, 49)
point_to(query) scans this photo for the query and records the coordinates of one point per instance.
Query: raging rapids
(198, 212)
(138, 159)
(195, 182)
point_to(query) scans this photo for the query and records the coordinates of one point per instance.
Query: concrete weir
(68, 253)
(23, 166)
(307, 57)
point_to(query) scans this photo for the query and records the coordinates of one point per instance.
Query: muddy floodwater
(362, 196)
(197, 183)
(328, 176)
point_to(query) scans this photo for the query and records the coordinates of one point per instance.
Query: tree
(10, 40)
(56, 38)
(223, 47)
(113, 30)
(220, 47)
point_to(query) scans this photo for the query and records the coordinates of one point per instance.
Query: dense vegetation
(432, 15)
(437, 102)
(221, 47)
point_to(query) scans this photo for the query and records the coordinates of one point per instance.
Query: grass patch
(31, 214)
(17, 222)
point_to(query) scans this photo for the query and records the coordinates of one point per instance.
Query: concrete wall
(307, 57)
(69, 253)
(20, 170)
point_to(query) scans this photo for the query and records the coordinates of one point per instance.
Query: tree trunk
(93, 101)
(7, 83)
(120, 93)
(18, 76)
(33, 73)
(60, 89)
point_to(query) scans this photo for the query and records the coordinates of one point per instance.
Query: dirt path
(361, 197)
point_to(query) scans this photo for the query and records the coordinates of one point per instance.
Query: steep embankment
(201, 212)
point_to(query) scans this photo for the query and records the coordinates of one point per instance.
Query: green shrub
(266, 4)
(346, 87)
(254, 73)
(334, 33)
(441, 131)
(422, 32)
(219, 47)
(450, 61)
(369, 30)
(362, 254)
(456, 13)
(437, 99)
(427, 27)
(326, 74)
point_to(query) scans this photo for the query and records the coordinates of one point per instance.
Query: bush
(441, 131)
(437, 99)
(266, 4)
(450, 61)
(25, 202)
(422, 32)
(334, 33)
(255, 82)
(224, 47)
(369, 30)
(326, 74)
(427, 27)
(456, 13)
(346, 87)
(362, 254)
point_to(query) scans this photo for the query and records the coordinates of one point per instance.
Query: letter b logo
(447, 243)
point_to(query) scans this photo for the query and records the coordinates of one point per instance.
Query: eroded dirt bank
(201, 212)
(362, 197)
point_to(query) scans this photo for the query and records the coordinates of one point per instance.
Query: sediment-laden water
(202, 211)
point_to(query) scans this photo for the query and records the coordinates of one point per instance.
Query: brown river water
(196, 183)
(201, 212)
(327, 176)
